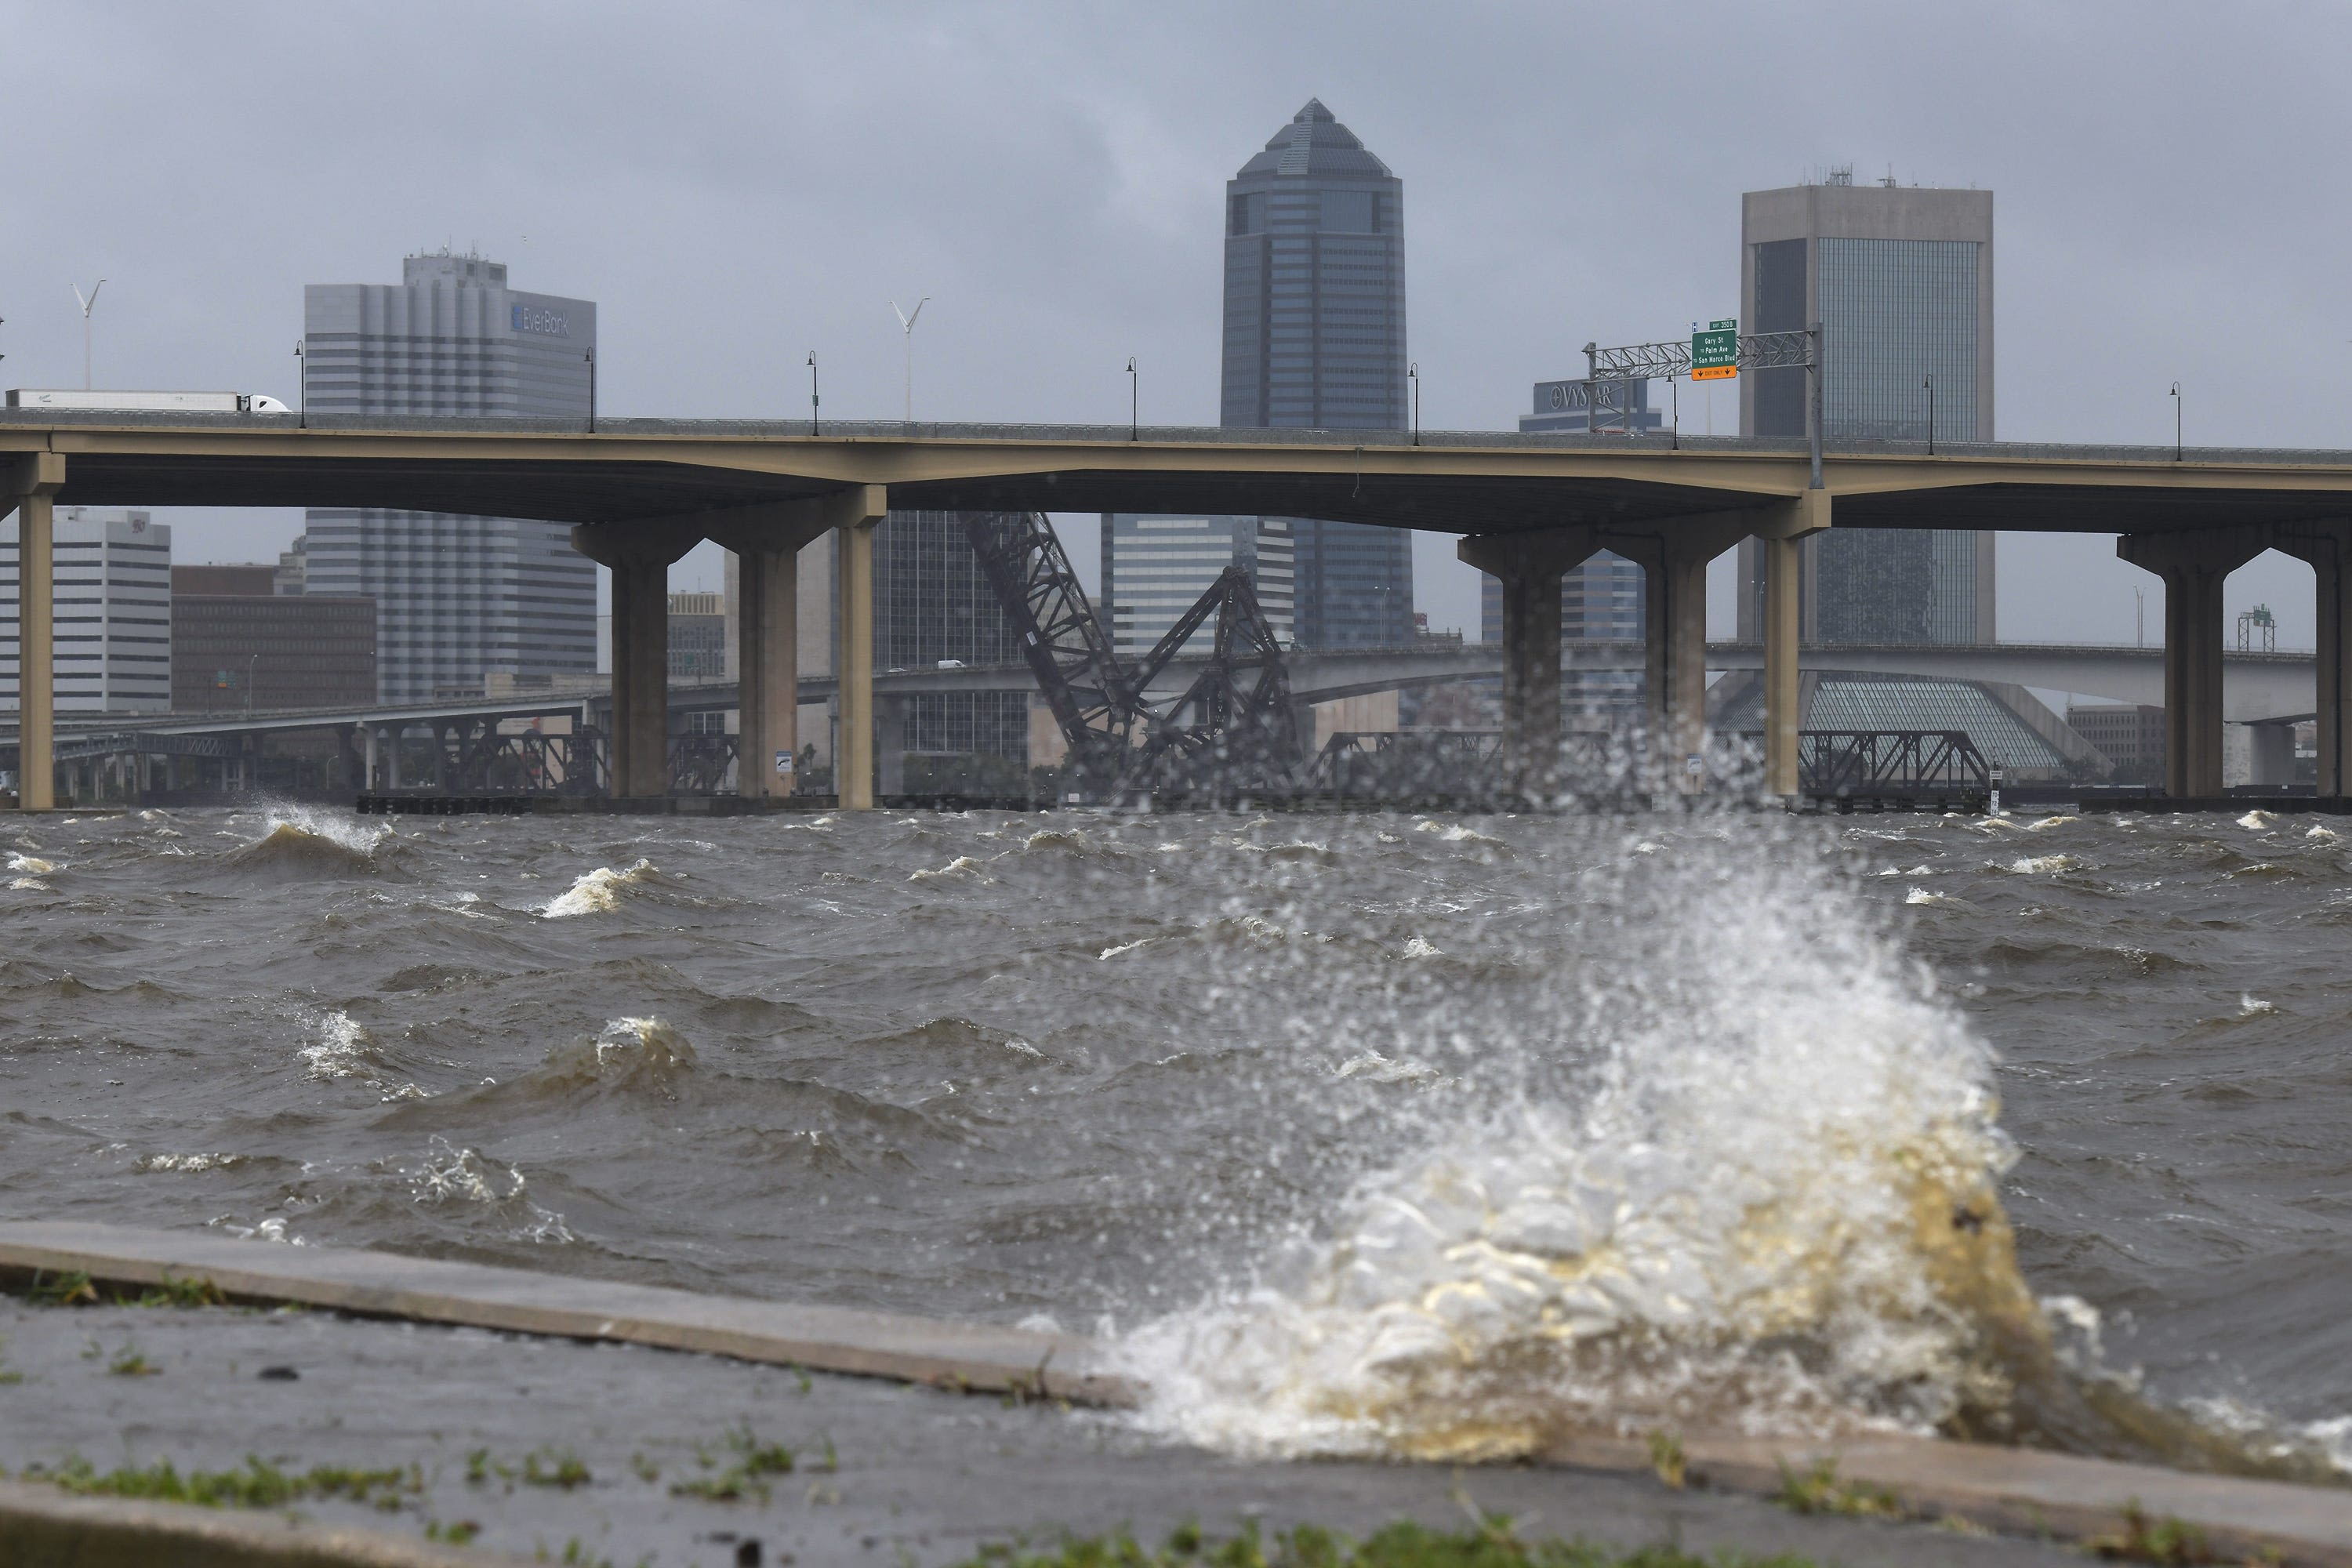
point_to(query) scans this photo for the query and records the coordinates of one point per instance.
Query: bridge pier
(766, 540)
(1674, 572)
(31, 488)
(1529, 567)
(2194, 564)
(1783, 538)
(767, 670)
(2328, 547)
(639, 554)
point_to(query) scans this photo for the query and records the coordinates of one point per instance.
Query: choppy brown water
(1366, 1133)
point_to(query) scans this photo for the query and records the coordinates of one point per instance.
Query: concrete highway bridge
(640, 493)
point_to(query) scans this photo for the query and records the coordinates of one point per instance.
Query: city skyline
(1038, 305)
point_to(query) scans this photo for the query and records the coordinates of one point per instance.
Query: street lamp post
(301, 387)
(812, 405)
(907, 325)
(2176, 422)
(591, 357)
(251, 660)
(1134, 403)
(1412, 373)
(85, 302)
(1930, 384)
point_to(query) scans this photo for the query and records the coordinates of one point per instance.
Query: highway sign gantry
(1715, 352)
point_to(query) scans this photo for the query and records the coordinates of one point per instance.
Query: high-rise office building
(1900, 278)
(932, 601)
(1156, 567)
(458, 598)
(113, 637)
(1315, 338)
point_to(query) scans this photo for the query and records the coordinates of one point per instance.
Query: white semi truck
(79, 402)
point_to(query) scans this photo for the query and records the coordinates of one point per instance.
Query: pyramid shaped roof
(1314, 143)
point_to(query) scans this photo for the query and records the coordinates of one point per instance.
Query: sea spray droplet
(598, 891)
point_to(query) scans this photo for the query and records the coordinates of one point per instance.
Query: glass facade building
(458, 598)
(931, 602)
(1315, 338)
(1900, 278)
(1155, 567)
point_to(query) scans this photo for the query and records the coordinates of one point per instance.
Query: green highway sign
(1715, 353)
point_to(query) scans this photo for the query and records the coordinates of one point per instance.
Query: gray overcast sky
(736, 184)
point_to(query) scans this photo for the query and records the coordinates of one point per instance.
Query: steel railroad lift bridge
(1233, 731)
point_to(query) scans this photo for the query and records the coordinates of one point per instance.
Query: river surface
(1364, 1134)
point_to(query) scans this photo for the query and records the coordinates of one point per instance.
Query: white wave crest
(597, 892)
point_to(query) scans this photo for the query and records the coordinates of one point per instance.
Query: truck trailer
(79, 402)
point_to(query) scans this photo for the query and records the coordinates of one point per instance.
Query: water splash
(599, 891)
(627, 1053)
(963, 869)
(1772, 1206)
(450, 1176)
(342, 1049)
(302, 841)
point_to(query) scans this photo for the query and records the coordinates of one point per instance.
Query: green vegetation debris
(748, 1477)
(553, 1468)
(66, 1290)
(259, 1484)
(2161, 1540)
(1819, 1490)
(1494, 1545)
(76, 1289)
(132, 1362)
(177, 1292)
(1666, 1459)
(458, 1532)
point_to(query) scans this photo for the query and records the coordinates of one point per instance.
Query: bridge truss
(1232, 729)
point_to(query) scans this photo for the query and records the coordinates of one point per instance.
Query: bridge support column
(2327, 546)
(30, 489)
(1529, 567)
(2193, 563)
(766, 540)
(1674, 569)
(767, 670)
(853, 760)
(890, 746)
(2270, 755)
(639, 554)
(1783, 538)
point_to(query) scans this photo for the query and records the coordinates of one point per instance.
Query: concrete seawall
(2010, 1489)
